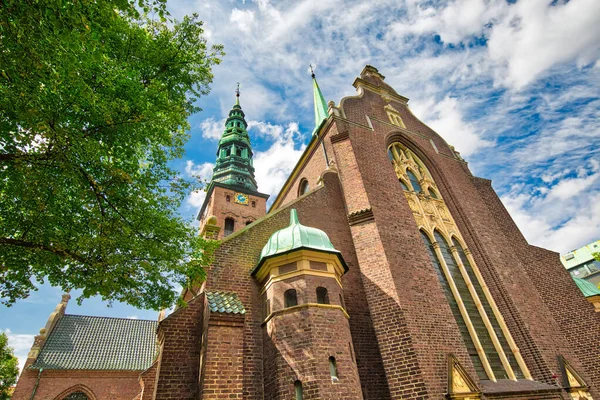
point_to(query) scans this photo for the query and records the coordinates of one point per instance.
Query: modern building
(581, 263)
(383, 270)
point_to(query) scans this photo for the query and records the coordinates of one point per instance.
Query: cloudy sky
(514, 86)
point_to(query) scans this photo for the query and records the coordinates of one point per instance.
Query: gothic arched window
(77, 396)
(298, 390)
(486, 337)
(229, 225)
(290, 298)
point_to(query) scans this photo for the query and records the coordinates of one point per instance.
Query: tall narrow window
(298, 390)
(333, 369)
(462, 326)
(322, 296)
(229, 225)
(488, 309)
(290, 298)
(476, 319)
(414, 181)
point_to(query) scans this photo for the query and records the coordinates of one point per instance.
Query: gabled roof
(99, 343)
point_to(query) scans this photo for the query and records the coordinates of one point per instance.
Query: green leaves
(9, 368)
(94, 100)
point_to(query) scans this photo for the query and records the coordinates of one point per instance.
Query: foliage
(9, 368)
(94, 100)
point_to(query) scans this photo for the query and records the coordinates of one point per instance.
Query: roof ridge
(100, 316)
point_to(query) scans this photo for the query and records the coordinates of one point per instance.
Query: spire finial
(320, 106)
(293, 217)
(237, 94)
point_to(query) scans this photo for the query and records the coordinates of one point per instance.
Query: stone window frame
(287, 298)
(227, 232)
(303, 187)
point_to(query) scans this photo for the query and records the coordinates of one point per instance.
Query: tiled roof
(225, 302)
(99, 343)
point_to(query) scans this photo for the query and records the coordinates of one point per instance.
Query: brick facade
(401, 329)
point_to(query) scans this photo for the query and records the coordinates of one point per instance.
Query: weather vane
(237, 91)
(312, 73)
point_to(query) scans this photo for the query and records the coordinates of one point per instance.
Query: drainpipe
(37, 382)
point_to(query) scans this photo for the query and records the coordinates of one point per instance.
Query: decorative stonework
(360, 216)
(460, 384)
(573, 382)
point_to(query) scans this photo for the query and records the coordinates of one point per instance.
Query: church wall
(239, 254)
(503, 273)
(575, 317)
(412, 320)
(114, 385)
(179, 336)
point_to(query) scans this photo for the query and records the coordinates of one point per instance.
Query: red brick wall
(113, 385)
(238, 255)
(179, 360)
(148, 382)
(223, 370)
(298, 345)
(573, 314)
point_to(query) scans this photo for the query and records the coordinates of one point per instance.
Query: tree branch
(38, 246)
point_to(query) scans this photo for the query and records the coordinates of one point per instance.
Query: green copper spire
(234, 154)
(320, 105)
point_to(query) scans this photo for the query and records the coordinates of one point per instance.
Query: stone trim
(360, 216)
(301, 306)
(340, 137)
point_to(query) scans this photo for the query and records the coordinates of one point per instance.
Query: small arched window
(333, 369)
(414, 181)
(229, 226)
(303, 187)
(290, 298)
(78, 395)
(248, 222)
(238, 152)
(298, 390)
(322, 295)
(432, 193)
(227, 198)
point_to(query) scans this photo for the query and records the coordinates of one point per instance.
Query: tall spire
(234, 154)
(320, 105)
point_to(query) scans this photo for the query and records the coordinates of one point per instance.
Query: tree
(94, 100)
(9, 368)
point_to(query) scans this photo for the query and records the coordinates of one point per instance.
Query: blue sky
(514, 86)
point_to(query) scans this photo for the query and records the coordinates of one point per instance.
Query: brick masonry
(396, 342)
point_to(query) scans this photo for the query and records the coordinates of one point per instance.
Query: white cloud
(133, 317)
(212, 129)
(274, 165)
(445, 117)
(534, 36)
(243, 19)
(203, 171)
(21, 344)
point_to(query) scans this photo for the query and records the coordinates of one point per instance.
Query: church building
(383, 270)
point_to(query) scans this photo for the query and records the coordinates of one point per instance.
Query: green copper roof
(234, 154)
(99, 343)
(295, 237)
(320, 105)
(587, 288)
(225, 302)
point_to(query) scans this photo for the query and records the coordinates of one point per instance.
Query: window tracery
(491, 347)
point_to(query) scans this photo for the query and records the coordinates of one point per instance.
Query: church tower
(232, 200)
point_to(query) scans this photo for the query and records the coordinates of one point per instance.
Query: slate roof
(225, 302)
(99, 343)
